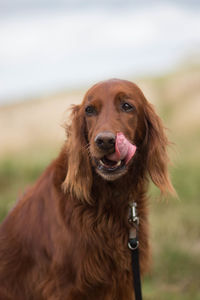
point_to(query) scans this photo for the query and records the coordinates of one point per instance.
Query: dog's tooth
(118, 163)
(101, 162)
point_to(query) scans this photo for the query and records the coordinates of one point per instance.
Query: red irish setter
(67, 237)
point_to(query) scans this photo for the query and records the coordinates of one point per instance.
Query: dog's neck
(116, 194)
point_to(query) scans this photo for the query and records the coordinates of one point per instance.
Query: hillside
(176, 97)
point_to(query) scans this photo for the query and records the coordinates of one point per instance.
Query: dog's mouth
(111, 166)
(106, 165)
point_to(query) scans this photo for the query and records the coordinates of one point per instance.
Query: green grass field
(175, 223)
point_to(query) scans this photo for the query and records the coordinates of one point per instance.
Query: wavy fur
(67, 237)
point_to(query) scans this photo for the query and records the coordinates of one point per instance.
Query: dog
(67, 237)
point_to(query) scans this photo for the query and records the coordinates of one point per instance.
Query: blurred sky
(47, 45)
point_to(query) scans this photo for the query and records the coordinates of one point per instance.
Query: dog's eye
(126, 107)
(90, 110)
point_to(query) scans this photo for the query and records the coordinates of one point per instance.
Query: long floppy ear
(156, 151)
(79, 174)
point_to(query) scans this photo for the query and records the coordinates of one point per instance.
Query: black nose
(105, 140)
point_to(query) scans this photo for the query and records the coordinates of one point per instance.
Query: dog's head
(109, 129)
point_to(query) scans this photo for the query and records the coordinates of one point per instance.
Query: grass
(17, 173)
(175, 224)
(175, 227)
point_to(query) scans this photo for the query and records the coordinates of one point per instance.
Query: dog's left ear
(156, 151)
(79, 174)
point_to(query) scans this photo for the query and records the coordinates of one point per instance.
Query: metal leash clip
(133, 220)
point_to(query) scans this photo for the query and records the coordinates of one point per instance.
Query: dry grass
(26, 124)
(30, 123)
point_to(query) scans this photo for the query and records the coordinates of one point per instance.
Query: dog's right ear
(79, 174)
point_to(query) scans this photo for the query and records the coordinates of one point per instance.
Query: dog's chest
(106, 257)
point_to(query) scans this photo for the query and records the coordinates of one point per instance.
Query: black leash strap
(136, 274)
(133, 245)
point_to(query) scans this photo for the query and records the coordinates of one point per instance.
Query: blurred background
(52, 51)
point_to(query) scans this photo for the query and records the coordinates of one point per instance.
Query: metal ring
(133, 248)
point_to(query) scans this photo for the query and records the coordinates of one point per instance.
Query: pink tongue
(123, 149)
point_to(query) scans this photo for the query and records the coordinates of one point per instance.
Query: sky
(47, 46)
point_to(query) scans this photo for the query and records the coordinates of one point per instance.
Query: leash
(133, 245)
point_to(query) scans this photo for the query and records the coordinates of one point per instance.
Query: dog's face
(113, 113)
(113, 122)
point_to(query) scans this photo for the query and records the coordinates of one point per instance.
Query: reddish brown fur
(67, 237)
